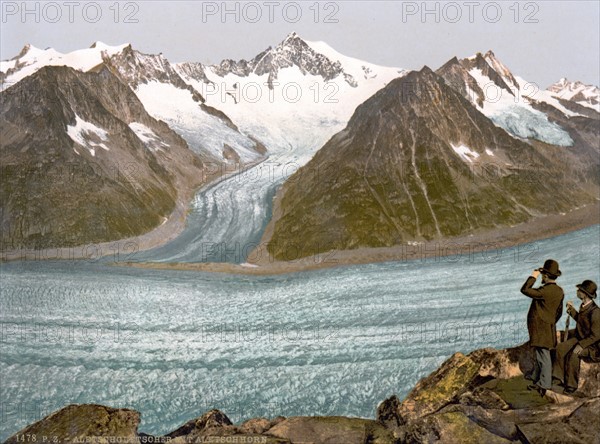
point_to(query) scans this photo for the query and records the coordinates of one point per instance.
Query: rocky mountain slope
(114, 141)
(418, 161)
(166, 96)
(158, 85)
(415, 162)
(479, 398)
(82, 161)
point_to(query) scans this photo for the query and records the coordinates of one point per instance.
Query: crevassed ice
(515, 114)
(202, 131)
(336, 341)
(531, 124)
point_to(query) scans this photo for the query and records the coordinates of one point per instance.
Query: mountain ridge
(222, 131)
(406, 168)
(107, 174)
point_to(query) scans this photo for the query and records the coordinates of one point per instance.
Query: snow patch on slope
(146, 135)
(465, 153)
(87, 135)
(359, 69)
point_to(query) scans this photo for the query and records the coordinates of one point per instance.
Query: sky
(541, 41)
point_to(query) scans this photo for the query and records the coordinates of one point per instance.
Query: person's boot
(537, 388)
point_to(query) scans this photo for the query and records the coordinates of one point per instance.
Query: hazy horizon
(400, 34)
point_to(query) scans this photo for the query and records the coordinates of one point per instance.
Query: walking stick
(565, 336)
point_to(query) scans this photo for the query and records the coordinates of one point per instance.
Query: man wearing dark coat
(584, 342)
(544, 312)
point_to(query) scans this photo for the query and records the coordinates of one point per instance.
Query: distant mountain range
(405, 155)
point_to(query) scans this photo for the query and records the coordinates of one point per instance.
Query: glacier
(174, 344)
(525, 123)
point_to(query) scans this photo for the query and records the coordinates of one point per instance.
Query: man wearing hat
(544, 312)
(584, 342)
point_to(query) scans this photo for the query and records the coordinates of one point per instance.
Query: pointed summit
(489, 66)
(292, 35)
(501, 69)
(293, 51)
(452, 62)
(457, 77)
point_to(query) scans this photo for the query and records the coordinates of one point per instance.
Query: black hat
(550, 268)
(588, 287)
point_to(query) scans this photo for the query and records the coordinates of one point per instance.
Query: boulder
(498, 422)
(448, 427)
(433, 392)
(580, 427)
(388, 413)
(215, 426)
(589, 379)
(213, 419)
(484, 397)
(331, 430)
(504, 364)
(78, 422)
(255, 425)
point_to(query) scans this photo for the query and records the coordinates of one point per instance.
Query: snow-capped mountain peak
(508, 100)
(288, 87)
(31, 59)
(291, 36)
(579, 92)
(292, 51)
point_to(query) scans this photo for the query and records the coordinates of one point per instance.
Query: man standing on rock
(583, 342)
(544, 313)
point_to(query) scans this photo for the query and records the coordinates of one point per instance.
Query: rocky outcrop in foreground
(476, 398)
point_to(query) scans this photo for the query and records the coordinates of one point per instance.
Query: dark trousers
(542, 369)
(566, 364)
